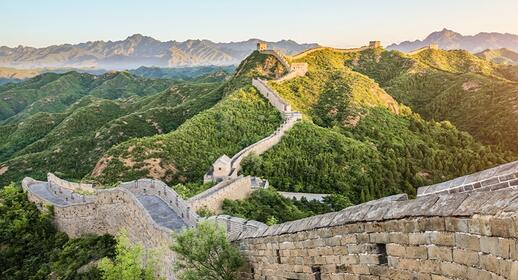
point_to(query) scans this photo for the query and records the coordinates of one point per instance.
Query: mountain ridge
(138, 50)
(449, 39)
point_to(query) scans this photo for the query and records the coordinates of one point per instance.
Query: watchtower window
(278, 255)
(381, 248)
(317, 272)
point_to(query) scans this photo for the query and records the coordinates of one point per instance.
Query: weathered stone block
(466, 257)
(369, 258)
(489, 263)
(455, 224)
(442, 238)
(440, 253)
(349, 259)
(379, 237)
(418, 238)
(430, 266)
(454, 270)
(479, 274)
(348, 239)
(395, 250)
(432, 224)
(416, 252)
(399, 238)
(489, 244)
(467, 241)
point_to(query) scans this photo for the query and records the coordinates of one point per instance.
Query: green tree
(204, 252)
(32, 248)
(128, 262)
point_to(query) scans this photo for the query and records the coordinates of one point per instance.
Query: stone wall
(296, 70)
(110, 212)
(53, 179)
(280, 57)
(309, 51)
(455, 236)
(501, 177)
(212, 199)
(272, 97)
(236, 226)
(308, 196)
(168, 195)
(266, 143)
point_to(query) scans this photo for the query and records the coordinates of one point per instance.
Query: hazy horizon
(334, 23)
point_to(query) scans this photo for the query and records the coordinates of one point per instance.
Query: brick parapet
(501, 177)
(454, 236)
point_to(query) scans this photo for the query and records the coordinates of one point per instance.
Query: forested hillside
(70, 139)
(475, 95)
(243, 117)
(360, 142)
(358, 139)
(31, 248)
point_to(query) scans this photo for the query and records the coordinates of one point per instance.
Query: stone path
(161, 213)
(42, 190)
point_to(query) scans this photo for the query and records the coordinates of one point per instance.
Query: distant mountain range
(138, 50)
(448, 39)
(500, 56)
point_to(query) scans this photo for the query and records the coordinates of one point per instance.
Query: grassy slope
(474, 94)
(55, 93)
(367, 146)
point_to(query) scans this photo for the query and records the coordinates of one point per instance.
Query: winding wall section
(466, 228)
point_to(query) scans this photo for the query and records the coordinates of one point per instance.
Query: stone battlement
(144, 208)
(453, 236)
(501, 177)
(234, 188)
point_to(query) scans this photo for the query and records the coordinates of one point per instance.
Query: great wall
(465, 228)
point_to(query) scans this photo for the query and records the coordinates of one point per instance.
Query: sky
(339, 23)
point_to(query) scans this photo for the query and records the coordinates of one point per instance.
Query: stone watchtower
(221, 169)
(261, 46)
(374, 44)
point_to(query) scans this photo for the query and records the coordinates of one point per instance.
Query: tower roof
(224, 159)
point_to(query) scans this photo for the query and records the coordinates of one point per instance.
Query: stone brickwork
(273, 98)
(501, 177)
(308, 196)
(232, 188)
(290, 119)
(110, 210)
(82, 187)
(454, 236)
(236, 226)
